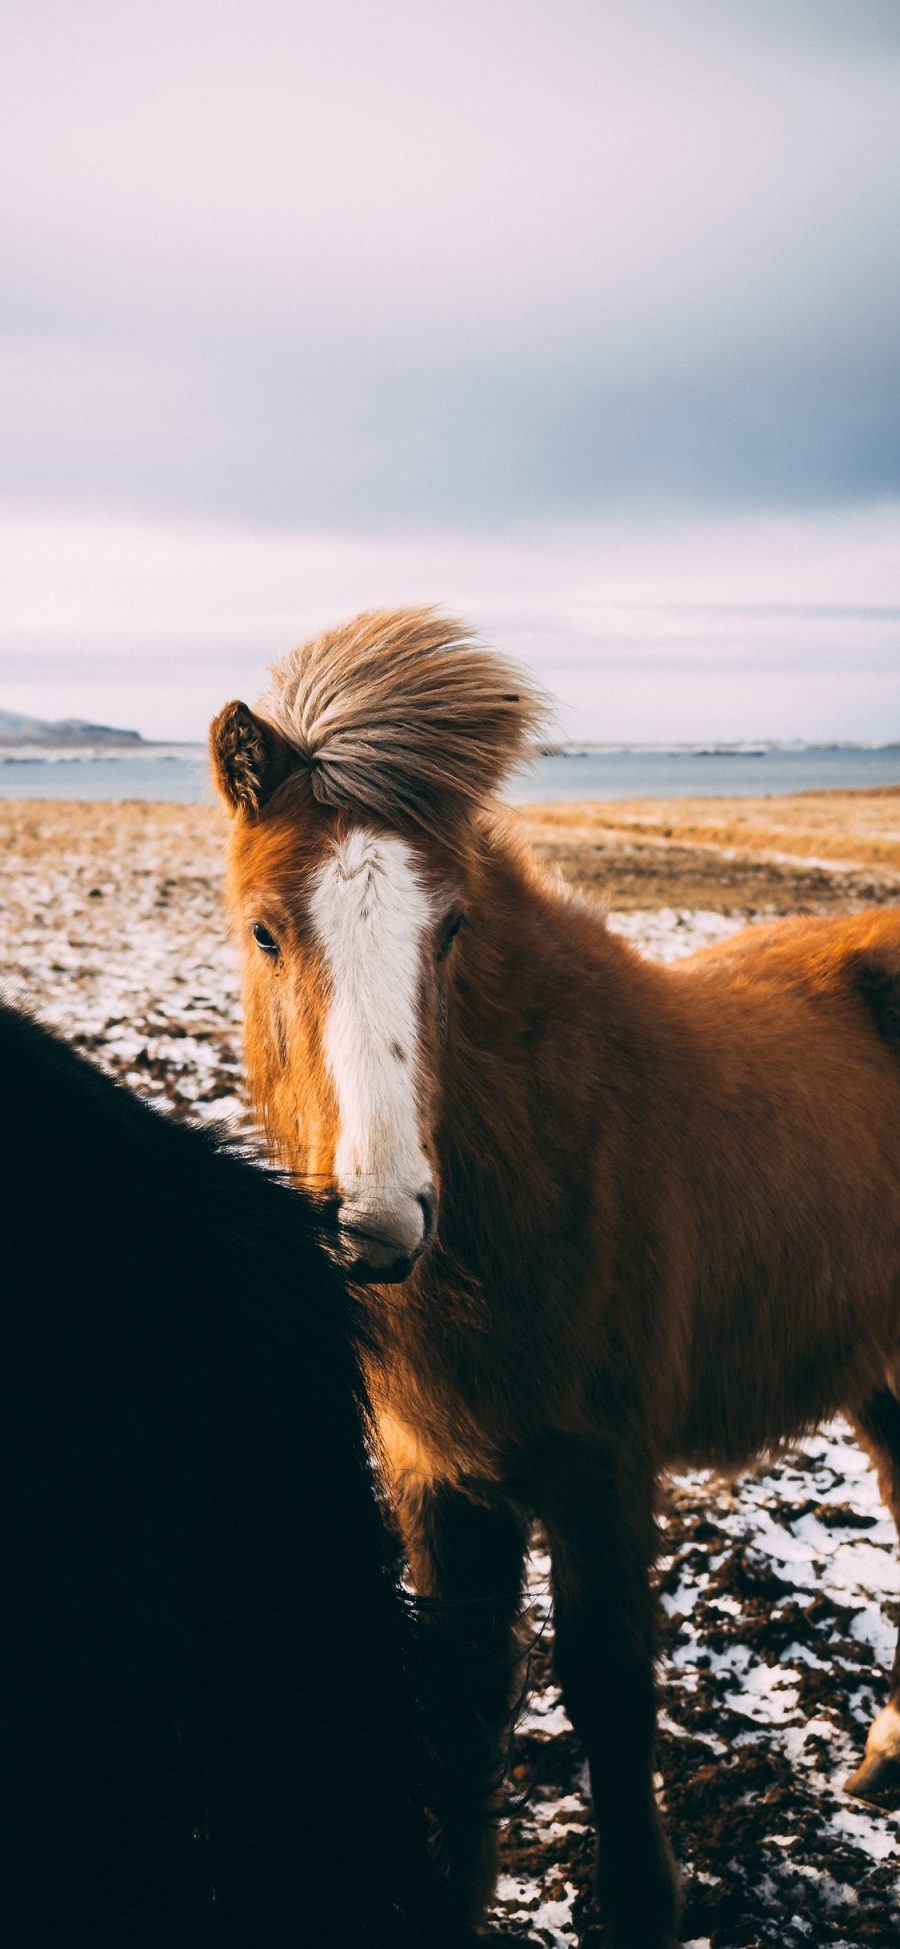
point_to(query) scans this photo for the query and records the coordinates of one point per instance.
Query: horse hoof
(643, 1910)
(878, 1778)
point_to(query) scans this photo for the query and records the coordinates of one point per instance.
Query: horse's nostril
(428, 1202)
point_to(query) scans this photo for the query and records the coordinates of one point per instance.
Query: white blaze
(370, 913)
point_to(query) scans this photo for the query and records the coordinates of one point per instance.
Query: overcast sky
(531, 309)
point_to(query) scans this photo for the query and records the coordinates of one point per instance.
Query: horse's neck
(539, 952)
(540, 987)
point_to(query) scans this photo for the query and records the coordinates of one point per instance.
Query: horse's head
(347, 932)
(353, 789)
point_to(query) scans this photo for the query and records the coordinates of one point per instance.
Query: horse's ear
(249, 758)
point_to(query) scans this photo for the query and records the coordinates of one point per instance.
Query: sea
(179, 774)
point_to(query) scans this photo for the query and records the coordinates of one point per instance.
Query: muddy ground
(779, 1593)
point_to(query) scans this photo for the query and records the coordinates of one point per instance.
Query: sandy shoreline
(779, 1593)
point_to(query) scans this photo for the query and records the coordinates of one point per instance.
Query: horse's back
(790, 1165)
(821, 959)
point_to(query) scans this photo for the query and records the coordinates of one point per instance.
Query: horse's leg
(467, 1559)
(598, 1510)
(877, 1425)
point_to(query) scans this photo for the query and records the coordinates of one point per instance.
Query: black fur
(878, 982)
(207, 1735)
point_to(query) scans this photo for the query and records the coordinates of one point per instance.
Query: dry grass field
(813, 851)
(816, 850)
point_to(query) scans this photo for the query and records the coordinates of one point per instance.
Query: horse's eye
(264, 939)
(449, 935)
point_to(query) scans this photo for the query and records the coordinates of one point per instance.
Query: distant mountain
(16, 729)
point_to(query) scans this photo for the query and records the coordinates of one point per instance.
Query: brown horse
(622, 1215)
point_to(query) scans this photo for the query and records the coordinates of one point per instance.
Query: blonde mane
(403, 713)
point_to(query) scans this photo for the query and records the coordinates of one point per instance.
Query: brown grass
(861, 828)
(81, 833)
(805, 852)
(734, 855)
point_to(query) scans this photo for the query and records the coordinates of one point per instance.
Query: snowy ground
(779, 1592)
(779, 1597)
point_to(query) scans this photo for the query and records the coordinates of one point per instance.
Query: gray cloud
(317, 441)
(383, 264)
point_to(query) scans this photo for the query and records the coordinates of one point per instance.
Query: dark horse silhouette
(207, 1730)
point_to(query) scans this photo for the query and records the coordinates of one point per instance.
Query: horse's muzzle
(380, 1246)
